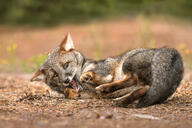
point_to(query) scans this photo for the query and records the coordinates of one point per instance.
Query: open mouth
(75, 84)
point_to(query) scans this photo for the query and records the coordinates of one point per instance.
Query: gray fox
(156, 73)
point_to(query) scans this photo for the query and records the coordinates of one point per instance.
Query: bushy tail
(167, 73)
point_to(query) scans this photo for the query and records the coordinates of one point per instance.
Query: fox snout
(65, 78)
(66, 81)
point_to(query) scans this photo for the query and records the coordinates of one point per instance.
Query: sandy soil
(24, 104)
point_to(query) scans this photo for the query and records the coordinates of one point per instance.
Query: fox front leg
(129, 98)
(92, 78)
(87, 77)
(129, 80)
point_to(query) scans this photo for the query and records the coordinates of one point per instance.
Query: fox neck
(84, 64)
(81, 60)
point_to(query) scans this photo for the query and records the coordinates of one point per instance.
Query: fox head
(65, 64)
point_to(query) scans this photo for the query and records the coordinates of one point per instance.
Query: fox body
(156, 73)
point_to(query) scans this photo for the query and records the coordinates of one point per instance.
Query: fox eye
(66, 65)
(55, 75)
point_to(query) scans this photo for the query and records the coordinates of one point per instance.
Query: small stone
(58, 114)
(110, 116)
(3, 100)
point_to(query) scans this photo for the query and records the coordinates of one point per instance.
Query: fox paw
(102, 89)
(70, 93)
(87, 77)
(119, 102)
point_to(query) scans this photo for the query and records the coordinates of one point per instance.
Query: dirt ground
(26, 104)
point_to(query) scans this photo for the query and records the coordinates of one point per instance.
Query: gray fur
(52, 66)
(166, 75)
(161, 69)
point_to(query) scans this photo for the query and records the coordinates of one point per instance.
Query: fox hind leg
(128, 81)
(129, 98)
(167, 72)
(120, 92)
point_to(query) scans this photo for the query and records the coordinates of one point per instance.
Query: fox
(149, 75)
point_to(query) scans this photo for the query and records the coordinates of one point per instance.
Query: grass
(186, 53)
(41, 13)
(97, 51)
(11, 63)
(144, 36)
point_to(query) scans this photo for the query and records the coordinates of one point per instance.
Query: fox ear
(38, 73)
(67, 44)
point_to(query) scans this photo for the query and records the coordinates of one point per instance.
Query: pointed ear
(38, 73)
(67, 44)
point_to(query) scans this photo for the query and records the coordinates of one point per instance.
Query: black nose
(66, 81)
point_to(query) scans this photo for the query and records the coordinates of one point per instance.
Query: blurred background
(29, 29)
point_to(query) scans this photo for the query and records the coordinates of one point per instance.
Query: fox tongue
(74, 86)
